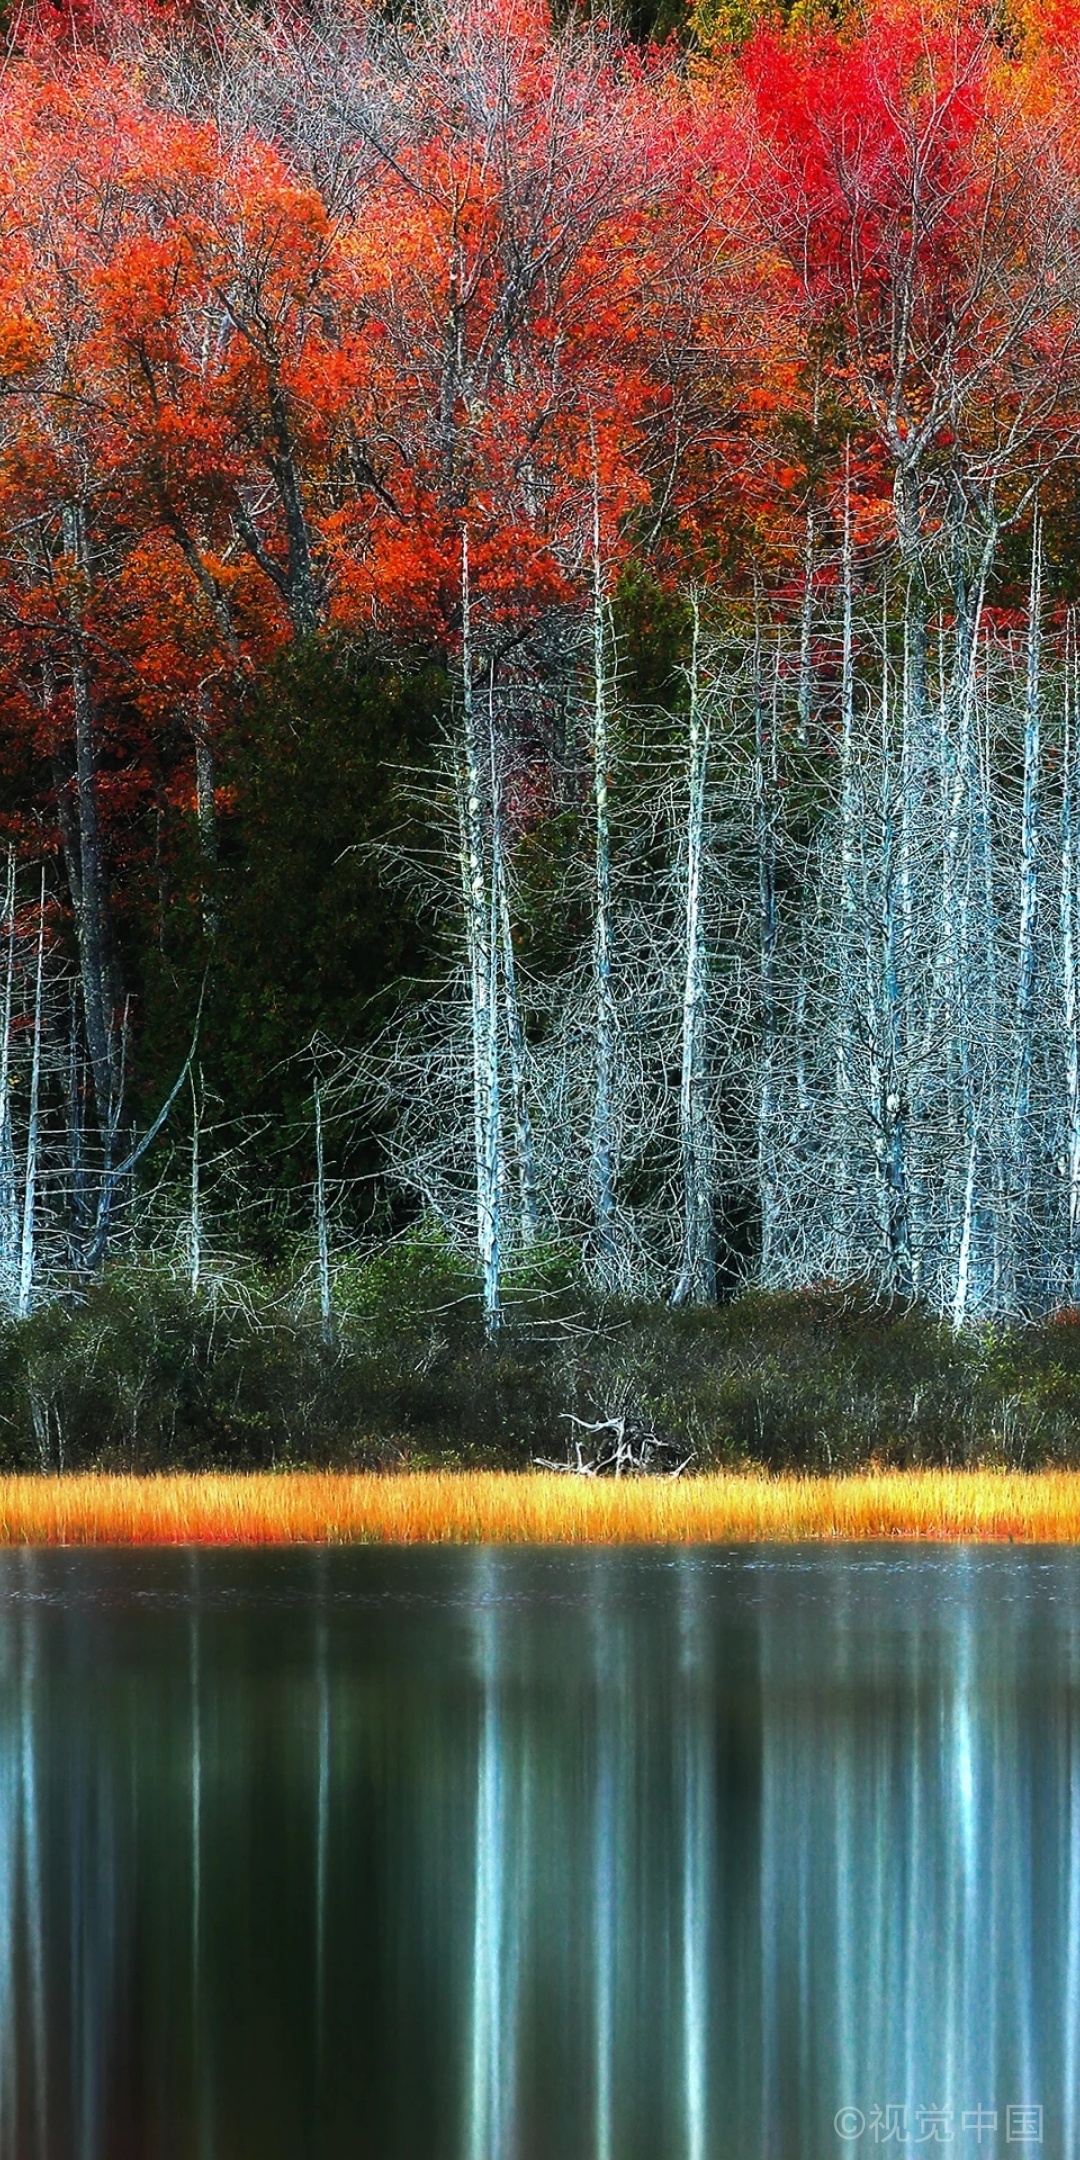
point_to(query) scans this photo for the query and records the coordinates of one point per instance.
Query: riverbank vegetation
(484, 1507)
(246, 1372)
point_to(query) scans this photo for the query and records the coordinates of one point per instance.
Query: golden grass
(302, 1507)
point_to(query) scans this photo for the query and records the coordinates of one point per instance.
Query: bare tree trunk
(1020, 1149)
(1070, 963)
(206, 813)
(9, 1216)
(893, 1101)
(997, 1120)
(195, 1203)
(322, 1228)
(908, 508)
(806, 629)
(515, 1033)
(90, 897)
(848, 973)
(303, 585)
(962, 1294)
(296, 578)
(602, 1177)
(969, 1110)
(697, 1278)
(765, 836)
(81, 1207)
(26, 1254)
(480, 933)
(915, 753)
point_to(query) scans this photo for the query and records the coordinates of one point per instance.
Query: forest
(540, 731)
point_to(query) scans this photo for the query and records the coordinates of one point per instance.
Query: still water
(487, 1855)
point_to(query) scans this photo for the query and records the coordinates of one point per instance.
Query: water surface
(505, 1855)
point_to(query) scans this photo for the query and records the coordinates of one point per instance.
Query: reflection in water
(511, 1856)
(607, 1843)
(322, 1803)
(697, 1815)
(494, 1956)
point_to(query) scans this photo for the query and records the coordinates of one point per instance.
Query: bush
(140, 1374)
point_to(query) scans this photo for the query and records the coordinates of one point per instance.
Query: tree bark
(697, 1278)
(480, 934)
(90, 893)
(603, 1174)
(1020, 1148)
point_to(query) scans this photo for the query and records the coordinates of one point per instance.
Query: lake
(516, 1855)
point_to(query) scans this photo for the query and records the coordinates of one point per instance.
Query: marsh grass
(486, 1507)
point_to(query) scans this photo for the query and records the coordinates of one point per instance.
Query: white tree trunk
(1020, 1149)
(848, 960)
(696, 1284)
(91, 898)
(894, 1086)
(806, 634)
(480, 935)
(765, 843)
(1070, 967)
(603, 1145)
(322, 1227)
(970, 1112)
(206, 812)
(9, 1206)
(195, 1196)
(26, 1256)
(529, 1216)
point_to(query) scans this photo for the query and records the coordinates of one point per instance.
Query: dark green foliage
(829, 1379)
(653, 631)
(315, 927)
(143, 1375)
(816, 1381)
(646, 21)
(552, 900)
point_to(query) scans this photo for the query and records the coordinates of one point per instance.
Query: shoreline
(292, 1507)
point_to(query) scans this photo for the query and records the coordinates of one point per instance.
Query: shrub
(139, 1373)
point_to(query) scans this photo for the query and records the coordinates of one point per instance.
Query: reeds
(448, 1507)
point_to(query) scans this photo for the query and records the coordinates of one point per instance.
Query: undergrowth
(138, 1371)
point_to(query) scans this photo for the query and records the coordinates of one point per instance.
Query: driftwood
(629, 1450)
